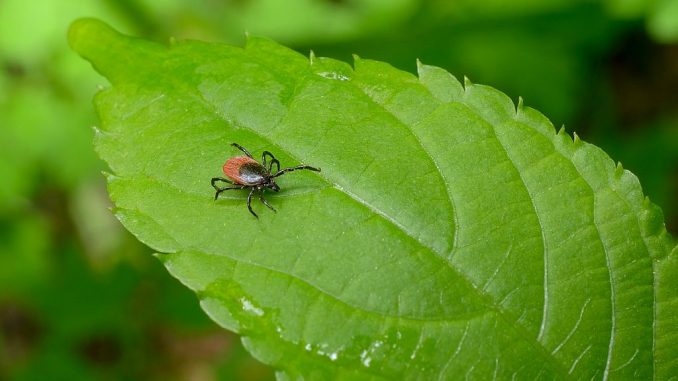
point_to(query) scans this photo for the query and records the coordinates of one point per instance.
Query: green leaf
(449, 232)
(663, 21)
(293, 21)
(661, 16)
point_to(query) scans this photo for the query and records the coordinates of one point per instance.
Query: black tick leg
(238, 146)
(273, 161)
(263, 200)
(215, 179)
(290, 169)
(249, 202)
(224, 189)
(219, 190)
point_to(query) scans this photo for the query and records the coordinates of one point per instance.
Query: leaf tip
(109, 176)
(646, 202)
(521, 105)
(421, 69)
(467, 82)
(76, 30)
(311, 56)
(576, 139)
(619, 170)
(162, 257)
(89, 34)
(118, 213)
(356, 60)
(561, 131)
(100, 133)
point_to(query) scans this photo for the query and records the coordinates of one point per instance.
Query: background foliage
(80, 299)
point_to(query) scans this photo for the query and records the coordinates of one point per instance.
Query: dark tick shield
(244, 172)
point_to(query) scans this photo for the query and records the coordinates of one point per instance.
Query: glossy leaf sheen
(449, 233)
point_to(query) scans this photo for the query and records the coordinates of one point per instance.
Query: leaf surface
(449, 233)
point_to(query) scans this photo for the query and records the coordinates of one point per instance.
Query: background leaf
(661, 16)
(449, 232)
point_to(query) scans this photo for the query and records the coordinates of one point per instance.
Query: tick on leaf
(246, 173)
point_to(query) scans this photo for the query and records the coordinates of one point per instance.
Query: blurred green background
(80, 299)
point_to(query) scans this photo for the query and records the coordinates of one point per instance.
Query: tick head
(273, 186)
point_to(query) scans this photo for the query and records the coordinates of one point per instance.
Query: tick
(246, 173)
